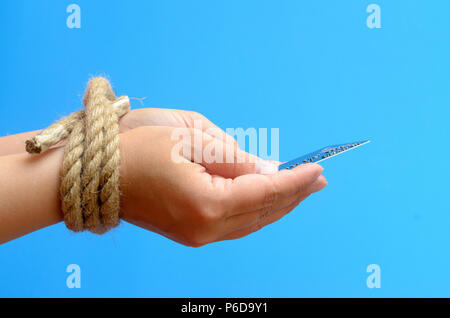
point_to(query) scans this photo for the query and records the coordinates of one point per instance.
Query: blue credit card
(322, 154)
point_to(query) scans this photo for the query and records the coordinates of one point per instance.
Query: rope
(89, 190)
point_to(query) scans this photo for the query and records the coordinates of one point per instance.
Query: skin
(189, 201)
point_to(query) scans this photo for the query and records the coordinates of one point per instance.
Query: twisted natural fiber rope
(90, 175)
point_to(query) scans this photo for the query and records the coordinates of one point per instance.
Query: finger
(233, 162)
(269, 219)
(318, 185)
(249, 192)
(244, 220)
(218, 157)
(258, 225)
(213, 130)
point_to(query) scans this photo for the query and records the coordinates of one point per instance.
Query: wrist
(131, 163)
(126, 156)
(36, 205)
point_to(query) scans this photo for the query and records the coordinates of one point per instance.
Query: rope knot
(89, 190)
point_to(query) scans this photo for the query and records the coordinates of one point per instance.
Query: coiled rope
(89, 189)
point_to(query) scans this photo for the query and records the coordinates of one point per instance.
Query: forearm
(29, 190)
(15, 144)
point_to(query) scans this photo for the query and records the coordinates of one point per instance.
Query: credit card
(322, 154)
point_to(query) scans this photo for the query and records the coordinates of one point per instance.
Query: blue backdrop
(311, 68)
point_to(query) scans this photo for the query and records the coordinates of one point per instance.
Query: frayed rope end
(32, 146)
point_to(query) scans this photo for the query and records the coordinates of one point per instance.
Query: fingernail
(318, 185)
(265, 167)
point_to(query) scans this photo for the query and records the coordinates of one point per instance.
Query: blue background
(313, 69)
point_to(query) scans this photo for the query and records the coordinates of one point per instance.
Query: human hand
(199, 203)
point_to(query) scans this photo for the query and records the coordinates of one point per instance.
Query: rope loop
(89, 189)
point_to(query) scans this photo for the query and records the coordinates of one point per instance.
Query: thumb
(228, 160)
